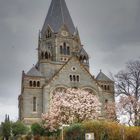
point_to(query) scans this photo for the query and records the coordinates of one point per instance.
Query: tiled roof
(83, 52)
(57, 16)
(34, 72)
(102, 77)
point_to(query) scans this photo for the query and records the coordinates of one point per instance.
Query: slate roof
(34, 72)
(57, 16)
(83, 52)
(102, 77)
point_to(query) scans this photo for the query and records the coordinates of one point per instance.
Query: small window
(81, 59)
(38, 84)
(46, 55)
(64, 44)
(108, 87)
(78, 78)
(34, 83)
(42, 55)
(68, 50)
(74, 78)
(65, 50)
(70, 77)
(105, 87)
(30, 83)
(73, 68)
(34, 104)
(48, 34)
(49, 56)
(61, 50)
(106, 101)
(84, 59)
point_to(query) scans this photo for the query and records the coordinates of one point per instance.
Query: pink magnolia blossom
(110, 111)
(71, 105)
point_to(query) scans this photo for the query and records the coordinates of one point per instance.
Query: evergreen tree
(6, 128)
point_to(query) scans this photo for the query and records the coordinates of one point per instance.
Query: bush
(74, 132)
(102, 130)
(18, 128)
(132, 133)
(37, 129)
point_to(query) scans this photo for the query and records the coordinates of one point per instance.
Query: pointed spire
(57, 16)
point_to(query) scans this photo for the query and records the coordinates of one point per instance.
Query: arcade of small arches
(63, 88)
(34, 83)
(74, 78)
(45, 55)
(83, 59)
(105, 87)
(64, 49)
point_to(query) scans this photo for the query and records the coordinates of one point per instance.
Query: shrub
(132, 133)
(18, 128)
(75, 132)
(37, 129)
(102, 130)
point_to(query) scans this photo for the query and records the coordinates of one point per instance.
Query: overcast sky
(109, 30)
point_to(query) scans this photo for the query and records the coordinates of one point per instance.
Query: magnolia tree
(110, 109)
(71, 105)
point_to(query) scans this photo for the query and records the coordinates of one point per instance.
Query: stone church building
(62, 63)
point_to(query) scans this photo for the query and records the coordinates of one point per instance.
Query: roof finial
(100, 70)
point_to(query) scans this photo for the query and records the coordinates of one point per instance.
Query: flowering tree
(110, 111)
(71, 105)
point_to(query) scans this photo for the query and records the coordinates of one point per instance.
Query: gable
(73, 74)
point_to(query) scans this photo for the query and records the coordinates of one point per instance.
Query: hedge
(102, 131)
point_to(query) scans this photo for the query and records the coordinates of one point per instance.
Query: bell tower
(59, 40)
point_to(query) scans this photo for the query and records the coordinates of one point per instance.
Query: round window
(73, 68)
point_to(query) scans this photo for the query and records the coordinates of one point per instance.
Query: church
(62, 63)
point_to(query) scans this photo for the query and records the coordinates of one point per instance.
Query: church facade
(62, 63)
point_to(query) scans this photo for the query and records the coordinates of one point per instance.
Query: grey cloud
(109, 29)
